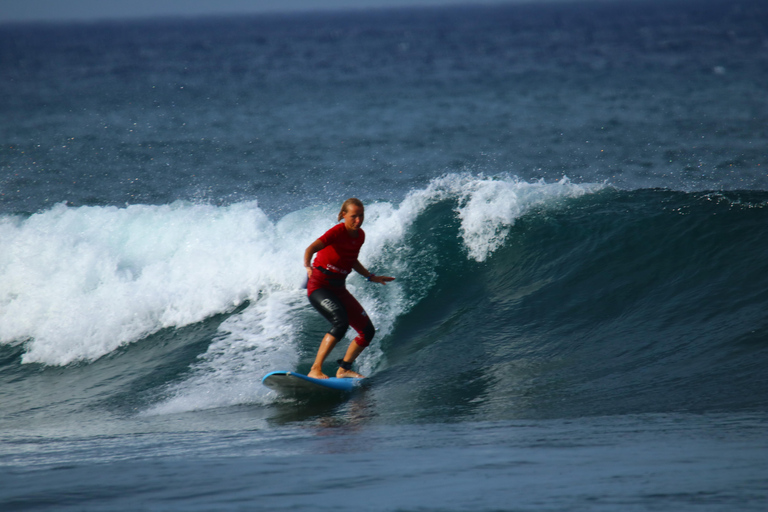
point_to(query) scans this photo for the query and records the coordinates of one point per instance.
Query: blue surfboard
(292, 383)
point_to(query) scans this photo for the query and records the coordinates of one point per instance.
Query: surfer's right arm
(310, 252)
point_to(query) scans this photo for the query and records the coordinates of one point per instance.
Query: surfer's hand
(309, 272)
(382, 279)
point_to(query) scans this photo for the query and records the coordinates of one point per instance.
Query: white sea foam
(249, 345)
(77, 283)
(489, 206)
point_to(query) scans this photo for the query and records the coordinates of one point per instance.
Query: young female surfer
(337, 252)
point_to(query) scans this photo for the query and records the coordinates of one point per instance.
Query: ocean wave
(81, 282)
(557, 298)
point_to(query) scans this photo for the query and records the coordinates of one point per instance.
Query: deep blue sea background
(573, 198)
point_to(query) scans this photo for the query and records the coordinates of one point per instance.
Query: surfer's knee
(338, 330)
(364, 338)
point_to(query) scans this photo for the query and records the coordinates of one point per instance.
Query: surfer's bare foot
(316, 374)
(348, 374)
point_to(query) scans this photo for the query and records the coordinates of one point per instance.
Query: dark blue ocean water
(573, 198)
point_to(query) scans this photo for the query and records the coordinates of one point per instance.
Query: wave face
(512, 299)
(611, 303)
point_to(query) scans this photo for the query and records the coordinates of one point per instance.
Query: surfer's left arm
(360, 269)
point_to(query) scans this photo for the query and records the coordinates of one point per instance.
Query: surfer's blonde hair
(349, 202)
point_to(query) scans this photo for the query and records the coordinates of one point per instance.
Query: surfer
(337, 252)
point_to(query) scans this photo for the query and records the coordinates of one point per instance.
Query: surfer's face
(353, 217)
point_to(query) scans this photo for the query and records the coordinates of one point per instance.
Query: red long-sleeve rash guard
(340, 251)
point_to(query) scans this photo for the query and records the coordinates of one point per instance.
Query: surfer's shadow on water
(330, 410)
